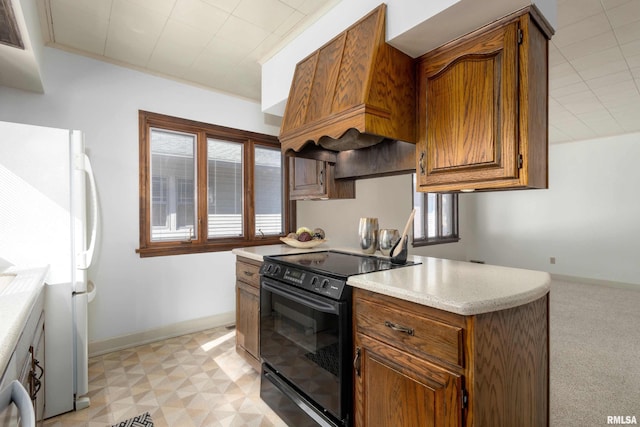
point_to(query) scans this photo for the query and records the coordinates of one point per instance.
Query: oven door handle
(314, 303)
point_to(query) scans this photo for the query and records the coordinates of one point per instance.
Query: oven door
(305, 338)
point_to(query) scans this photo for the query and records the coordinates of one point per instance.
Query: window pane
(268, 191)
(224, 188)
(432, 215)
(418, 204)
(447, 215)
(173, 185)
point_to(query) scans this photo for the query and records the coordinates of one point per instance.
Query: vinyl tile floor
(193, 380)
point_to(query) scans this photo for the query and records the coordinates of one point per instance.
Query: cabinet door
(248, 320)
(468, 112)
(395, 389)
(307, 178)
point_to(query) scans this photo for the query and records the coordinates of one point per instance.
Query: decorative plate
(302, 245)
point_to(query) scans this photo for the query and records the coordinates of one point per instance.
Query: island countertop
(459, 287)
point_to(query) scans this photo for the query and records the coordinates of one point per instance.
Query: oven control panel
(311, 281)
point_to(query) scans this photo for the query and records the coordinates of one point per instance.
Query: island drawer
(248, 272)
(409, 331)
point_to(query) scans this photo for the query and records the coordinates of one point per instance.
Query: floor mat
(142, 420)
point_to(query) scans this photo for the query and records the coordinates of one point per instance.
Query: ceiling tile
(247, 35)
(600, 64)
(571, 89)
(293, 3)
(609, 79)
(266, 14)
(578, 130)
(200, 15)
(258, 54)
(288, 24)
(569, 14)
(81, 25)
(610, 4)
(226, 5)
(624, 14)
(628, 33)
(133, 32)
(585, 29)
(310, 6)
(590, 46)
(163, 7)
(177, 48)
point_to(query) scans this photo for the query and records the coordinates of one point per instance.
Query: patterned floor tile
(194, 380)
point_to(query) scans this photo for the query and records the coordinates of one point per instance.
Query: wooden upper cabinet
(355, 81)
(483, 107)
(315, 179)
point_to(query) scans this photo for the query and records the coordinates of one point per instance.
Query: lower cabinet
(248, 310)
(419, 366)
(394, 388)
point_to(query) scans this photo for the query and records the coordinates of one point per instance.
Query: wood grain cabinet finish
(248, 310)
(483, 108)
(416, 365)
(355, 81)
(315, 179)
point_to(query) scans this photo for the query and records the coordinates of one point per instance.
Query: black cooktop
(337, 263)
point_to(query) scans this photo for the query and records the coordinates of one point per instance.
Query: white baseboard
(601, 282)
(122, 342)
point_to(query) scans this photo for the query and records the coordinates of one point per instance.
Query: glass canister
(368, 235)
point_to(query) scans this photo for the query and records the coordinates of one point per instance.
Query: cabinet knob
(421, 163)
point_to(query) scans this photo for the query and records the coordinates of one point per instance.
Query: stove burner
(324, 272)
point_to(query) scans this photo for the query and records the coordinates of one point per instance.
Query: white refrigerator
(49, 216)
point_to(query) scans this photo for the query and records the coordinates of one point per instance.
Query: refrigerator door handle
(86, 256)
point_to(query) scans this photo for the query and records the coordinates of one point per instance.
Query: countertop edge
(539, 282)
(461, 308)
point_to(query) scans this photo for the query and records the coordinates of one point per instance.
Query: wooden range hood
(354, 92)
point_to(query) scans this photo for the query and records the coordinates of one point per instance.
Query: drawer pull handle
(408, 331)
(248, 273)
(356, 362)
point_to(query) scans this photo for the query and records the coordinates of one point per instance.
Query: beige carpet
(595, 353)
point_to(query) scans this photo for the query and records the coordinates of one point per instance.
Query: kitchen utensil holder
(400, 257)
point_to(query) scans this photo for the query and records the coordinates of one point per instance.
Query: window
(436, 219)
(208, 188)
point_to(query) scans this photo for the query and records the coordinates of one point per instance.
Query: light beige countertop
(16, 302)
(456, 286)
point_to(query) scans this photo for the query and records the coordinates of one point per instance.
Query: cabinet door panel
(468, 114)
(396, 389)
(247, 327)
(307, 178)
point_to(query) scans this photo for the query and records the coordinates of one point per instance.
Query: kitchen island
(446, 343)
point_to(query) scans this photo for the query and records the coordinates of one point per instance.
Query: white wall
(588, 218)
(103, 100)
(389, 199)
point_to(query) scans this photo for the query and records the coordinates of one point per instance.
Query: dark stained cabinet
(314, 179)
(419, 366)
(248, 310)
(483, 108)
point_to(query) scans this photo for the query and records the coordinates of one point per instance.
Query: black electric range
(324, 272)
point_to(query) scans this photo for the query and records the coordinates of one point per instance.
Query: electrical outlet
(552, 260)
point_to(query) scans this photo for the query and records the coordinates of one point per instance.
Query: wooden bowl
(302, 245)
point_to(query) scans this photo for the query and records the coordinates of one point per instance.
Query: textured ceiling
(594, 55)
(213, 43)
